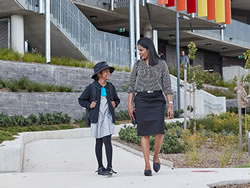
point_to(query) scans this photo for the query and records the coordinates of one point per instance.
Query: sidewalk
(70, 163)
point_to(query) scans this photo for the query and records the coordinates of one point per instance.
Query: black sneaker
(109, 169)
(103, 172)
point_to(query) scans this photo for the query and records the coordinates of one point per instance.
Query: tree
(246, 56)
(191, 50)
(191, 54)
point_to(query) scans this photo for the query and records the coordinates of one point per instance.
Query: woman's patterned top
(150, 78)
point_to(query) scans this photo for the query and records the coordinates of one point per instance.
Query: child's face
(105, 74)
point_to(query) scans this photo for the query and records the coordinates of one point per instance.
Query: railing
(121, 3)
(95, 45)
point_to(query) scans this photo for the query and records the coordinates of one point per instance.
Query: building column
(148, 31)
(132, 32)
(155, 39)
(17, 33)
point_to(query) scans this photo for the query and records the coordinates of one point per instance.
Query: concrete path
(70, 163)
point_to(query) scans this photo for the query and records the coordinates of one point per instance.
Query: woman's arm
(131, 109)
(166, 81)
(131, 91)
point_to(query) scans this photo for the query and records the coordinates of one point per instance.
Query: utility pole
(47, 32)
(185, 96)
(178, 61)
(239, 108)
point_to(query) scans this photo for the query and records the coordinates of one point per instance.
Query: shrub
(225, 122)
(199, 76)
(42, 119)
(218, 92)
(171, 143)
(129, 134)
(122, 115)
(26, 84)
(235, 110)
(169, 126)
(6, 54)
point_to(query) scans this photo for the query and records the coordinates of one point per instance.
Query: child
(100, 99)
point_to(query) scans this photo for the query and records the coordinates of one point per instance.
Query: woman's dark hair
(148, 44)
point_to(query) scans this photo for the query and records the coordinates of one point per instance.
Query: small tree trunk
(194, 107)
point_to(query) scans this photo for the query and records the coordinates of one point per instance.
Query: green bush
(122, 115)
(171, 143)
(225, 122)
(129, 134)
(199, 76)
(169, 126)
(33, 58)
(8, 133)
(6, 54)
(235, 110)
(42, 119)
(219, 92)
(24, 84)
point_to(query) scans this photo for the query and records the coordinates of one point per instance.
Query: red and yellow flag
(211, 10)
(181, 5)
(171, 3)
(162, 2)
(191, 6)
(220, 11)
(202, 8)
(228, 12)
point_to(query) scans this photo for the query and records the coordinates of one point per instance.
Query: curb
(138, 153)
(12, 152)
(225, 183)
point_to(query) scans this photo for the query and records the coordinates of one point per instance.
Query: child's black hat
(100, 66)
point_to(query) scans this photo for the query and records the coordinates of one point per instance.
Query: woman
(148, 80)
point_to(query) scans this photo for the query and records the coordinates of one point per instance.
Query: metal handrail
(95, 45)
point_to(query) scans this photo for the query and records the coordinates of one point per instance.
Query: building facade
(99, 30)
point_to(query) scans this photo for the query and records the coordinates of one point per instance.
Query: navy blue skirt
(150, 110)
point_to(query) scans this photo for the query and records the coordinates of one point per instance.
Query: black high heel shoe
(109, 169)
(147, 172)
(103, 172)
(156, 167)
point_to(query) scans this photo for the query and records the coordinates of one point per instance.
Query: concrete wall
(35, 103)
(77, 78)
(230, 72)
(205, 102)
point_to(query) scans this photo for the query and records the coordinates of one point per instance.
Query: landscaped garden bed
(213, 145)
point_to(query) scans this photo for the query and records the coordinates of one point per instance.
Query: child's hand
(93, 104)
(113, 103)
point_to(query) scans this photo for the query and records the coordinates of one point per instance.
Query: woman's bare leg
(158, 142)
(146, 151)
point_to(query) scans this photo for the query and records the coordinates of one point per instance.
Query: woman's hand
(93, 104)
(170, 111)
(113, 104)
(131, 110)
